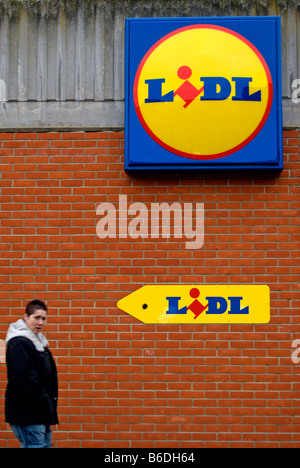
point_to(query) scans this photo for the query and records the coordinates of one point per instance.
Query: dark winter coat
(32, 389)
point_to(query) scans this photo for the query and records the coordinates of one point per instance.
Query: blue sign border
(265, 151)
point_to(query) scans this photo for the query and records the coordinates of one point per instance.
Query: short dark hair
(35, 305)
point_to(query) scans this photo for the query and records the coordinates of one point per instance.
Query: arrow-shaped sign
(199, 304)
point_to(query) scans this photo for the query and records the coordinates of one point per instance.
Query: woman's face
(36, 321)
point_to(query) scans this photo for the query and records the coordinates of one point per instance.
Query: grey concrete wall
(62, 62)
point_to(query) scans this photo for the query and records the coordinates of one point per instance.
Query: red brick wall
(123, 383)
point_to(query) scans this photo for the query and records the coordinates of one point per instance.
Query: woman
(31, 393)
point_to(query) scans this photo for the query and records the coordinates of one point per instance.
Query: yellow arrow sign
(199, 304)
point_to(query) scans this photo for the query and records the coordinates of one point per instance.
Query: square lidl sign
(203, 93)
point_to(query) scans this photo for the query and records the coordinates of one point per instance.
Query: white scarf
(20, 328)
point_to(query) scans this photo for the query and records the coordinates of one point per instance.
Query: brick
(124, 383)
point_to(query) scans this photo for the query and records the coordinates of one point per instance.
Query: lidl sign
(203, 93)
(199, 304)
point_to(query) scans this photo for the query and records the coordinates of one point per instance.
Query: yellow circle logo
(203, 92)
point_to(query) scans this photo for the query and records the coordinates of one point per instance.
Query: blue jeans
(38, 436)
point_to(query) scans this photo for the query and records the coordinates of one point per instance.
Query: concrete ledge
(88, 115)
(61, 115)
(290, 114)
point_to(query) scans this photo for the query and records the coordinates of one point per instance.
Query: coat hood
(20, 328)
